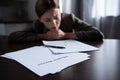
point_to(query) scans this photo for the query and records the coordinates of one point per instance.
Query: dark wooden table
(103, 64)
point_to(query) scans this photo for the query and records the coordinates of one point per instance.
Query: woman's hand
(59, 34)
(55, 35)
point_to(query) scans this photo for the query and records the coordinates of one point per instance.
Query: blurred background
(104, 14)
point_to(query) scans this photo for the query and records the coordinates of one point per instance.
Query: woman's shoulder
(67, 17)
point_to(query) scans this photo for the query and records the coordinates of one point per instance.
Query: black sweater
(69, 23)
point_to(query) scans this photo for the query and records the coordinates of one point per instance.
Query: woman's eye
(55, 17)
(47, 20)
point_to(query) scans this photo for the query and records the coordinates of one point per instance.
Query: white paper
(70, 46)
(41, 61)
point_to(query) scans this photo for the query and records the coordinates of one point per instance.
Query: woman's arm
(21, 36)
(84, 31)
(28, 35)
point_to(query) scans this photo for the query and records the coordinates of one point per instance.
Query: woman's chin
(54, 30)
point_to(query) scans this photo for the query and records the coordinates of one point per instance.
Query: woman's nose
(54, 22)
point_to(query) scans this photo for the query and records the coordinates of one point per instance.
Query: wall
(72, 6)
(110, 26)
(2, 29)
(11, 18)
(31, 9)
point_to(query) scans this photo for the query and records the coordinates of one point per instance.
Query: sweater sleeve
(21, 36)
(84, 31)
(28, 35)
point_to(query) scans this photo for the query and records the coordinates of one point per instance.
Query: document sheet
(70, 46)
(41, 61)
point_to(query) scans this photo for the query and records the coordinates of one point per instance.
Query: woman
(53, 25)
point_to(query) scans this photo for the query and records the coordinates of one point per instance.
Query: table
(103, 64)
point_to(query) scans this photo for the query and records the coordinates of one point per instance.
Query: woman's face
(51, 19)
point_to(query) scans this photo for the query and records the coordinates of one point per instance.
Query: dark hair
(43, 5)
